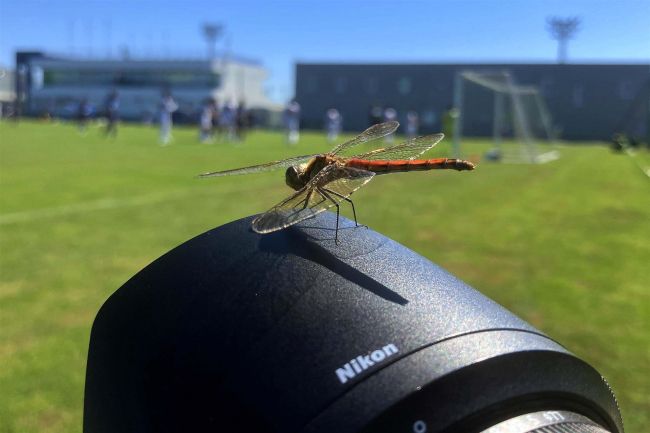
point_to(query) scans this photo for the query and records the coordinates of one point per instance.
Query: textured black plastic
(236, 329)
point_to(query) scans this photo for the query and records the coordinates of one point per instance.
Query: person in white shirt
(390, 115)
(167, 107)
(333, 124)
(291, 118)
(205, 120)
(228, 119)
(412, 124)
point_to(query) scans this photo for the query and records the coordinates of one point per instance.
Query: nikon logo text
(364, 362)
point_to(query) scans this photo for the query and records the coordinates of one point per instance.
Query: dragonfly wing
(337, 183)
(408, 150)
(262, 167)
(372, 133)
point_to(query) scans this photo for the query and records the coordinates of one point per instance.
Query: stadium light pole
(562, 29)
(212, 32)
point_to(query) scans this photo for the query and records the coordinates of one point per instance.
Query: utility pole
(562, 29)
(212, 32)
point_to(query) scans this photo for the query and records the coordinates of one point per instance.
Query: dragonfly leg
(304, 202)
(324, 193)
(354, 212)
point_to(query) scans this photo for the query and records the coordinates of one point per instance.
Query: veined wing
(408, 150)
(372, 133)
(328, 188)
(261, 167)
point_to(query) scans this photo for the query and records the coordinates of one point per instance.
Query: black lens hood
(291, 332)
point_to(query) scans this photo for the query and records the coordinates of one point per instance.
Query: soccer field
(564, 245)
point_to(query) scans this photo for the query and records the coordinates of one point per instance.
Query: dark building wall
(24, 78)
(586, 101)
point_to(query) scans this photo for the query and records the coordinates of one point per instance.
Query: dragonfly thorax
(297, 176)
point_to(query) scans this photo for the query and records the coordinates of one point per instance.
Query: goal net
(515, 116)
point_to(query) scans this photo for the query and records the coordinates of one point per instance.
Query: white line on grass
(102, 204)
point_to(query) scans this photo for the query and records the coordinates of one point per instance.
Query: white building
(7, 91)
(56, 85)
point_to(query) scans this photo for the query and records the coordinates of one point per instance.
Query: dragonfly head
(294, 177)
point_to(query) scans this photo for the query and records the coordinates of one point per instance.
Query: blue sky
(279, 33)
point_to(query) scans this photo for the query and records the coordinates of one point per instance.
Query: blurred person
(390, 114)
(5, 109)
(205, 120)
(375, 114)
(111, 110)
(252, 119)
(242, 120)
(228, 120)
(333, 123)
(291, 119)
(166, 108)
(412, 124)
(216, 119)
(10, 111)
(84, 111)
(18, 106)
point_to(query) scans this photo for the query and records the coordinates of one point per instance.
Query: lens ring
(548, 421)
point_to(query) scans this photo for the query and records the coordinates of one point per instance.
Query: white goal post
(521, 126)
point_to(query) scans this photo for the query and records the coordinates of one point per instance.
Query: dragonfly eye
(292, 178)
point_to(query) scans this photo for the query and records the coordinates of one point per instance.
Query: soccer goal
(491, 104)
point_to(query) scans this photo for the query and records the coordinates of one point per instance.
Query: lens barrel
(550, 421)
(290, 332)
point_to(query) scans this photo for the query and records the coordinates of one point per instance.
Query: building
(7, 91)
(55, 85)
(586, 101)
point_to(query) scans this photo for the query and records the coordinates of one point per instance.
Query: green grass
(565, 245)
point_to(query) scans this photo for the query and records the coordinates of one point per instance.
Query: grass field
(565, 245)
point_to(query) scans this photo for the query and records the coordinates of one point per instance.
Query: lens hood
(291, 332)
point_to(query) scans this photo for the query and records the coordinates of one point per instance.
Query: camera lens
(291, 332)
(550, 421)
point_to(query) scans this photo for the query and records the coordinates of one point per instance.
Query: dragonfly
(322, 181)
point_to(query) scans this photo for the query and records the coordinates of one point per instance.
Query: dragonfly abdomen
(399, 165)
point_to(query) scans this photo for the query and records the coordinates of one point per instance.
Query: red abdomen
(398, 165)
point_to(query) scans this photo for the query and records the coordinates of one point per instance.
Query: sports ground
(565, 245)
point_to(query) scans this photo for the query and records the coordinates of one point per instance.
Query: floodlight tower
(562, 29)
(212, 32)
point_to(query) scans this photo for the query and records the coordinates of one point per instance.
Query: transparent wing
(407, 150)
(261, 167)
(372, 133)
(329, 187)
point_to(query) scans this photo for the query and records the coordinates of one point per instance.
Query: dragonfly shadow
(312, 248)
